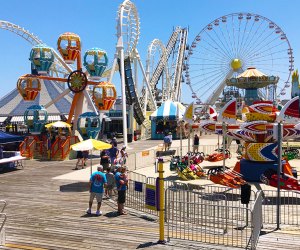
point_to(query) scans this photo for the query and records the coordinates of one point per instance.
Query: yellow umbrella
(58, 124)
(90, 144)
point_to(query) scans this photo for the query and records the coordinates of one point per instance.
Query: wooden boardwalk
(45, 213)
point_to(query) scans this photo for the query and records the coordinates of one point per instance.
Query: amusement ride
(238, 61)
(103, 94)
(127, 58)
(229, 45)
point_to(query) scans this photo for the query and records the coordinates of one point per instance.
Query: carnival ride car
(219, 155)
(225, 176)
(287, 182)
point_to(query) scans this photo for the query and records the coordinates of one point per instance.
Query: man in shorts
(121, 182)
(97, 182)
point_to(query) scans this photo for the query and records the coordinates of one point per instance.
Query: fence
(289, 207)
(211, 219)
(209, 213)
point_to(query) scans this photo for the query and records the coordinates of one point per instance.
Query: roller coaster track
(179, 36)
(131, 94)
(59, 66)
(179, 65)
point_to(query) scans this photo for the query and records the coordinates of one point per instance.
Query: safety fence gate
(213, 218)
(210, 214)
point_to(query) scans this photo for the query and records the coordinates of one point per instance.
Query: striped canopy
(168, 111)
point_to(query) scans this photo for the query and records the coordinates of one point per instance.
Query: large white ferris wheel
(228, 46)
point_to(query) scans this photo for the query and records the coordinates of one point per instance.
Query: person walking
(121, 182)
(104, 159)
(79, 159)
(85, 155)
(97, 182)
(123, 156)
(111, 182)
(114, 141)
(113, 153)
(168, 141)
(196, 143)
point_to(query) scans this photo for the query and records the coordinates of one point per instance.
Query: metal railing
(209, 223)
(289, 207)
(208, 213)
(135, 198)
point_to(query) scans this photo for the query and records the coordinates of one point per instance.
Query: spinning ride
(42, 57)
(229, 45)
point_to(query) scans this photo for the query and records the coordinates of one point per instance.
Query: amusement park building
(12, 105)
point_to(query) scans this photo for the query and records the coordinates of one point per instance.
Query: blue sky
(95, 22)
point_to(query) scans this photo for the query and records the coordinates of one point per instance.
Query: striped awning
(3, 118)
(51, 118)
(168, 111)
(17, 119)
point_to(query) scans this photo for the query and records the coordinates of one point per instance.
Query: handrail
(64, 150)
(65, 146)
(55, 147)
(30, 147)
(22, 146)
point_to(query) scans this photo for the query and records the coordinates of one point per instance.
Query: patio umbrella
(90, 144)
(58, 124)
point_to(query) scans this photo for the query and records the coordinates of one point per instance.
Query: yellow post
(161, 202)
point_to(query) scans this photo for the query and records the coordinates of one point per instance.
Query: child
(110, 182)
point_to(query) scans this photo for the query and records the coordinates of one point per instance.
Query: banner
(189, 113)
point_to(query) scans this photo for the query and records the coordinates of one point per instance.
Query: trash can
(129, 138)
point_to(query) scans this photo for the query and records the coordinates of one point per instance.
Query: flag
(189, 113)
(228, 112)
(213, 113)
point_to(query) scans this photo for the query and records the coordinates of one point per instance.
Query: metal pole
(224, 136)
(180, 139)
(161, 202)
(120, 48)
(189, 146)
(279, 170)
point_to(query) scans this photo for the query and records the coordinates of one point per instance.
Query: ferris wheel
(228, 46)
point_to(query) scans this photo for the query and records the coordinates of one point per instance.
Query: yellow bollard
(161, 202)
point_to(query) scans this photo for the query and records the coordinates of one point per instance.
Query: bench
(165, 153)
(17, 160)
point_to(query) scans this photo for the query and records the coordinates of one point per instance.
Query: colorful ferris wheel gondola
(29, 87)
(104, 95)
(41, 57)
(95, 61)
(89, 125)
(69, 46)
(35, 117)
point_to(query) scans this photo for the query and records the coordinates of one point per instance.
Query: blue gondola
(95, 61)
(89, 125)
(35, 117)
(41, 57)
